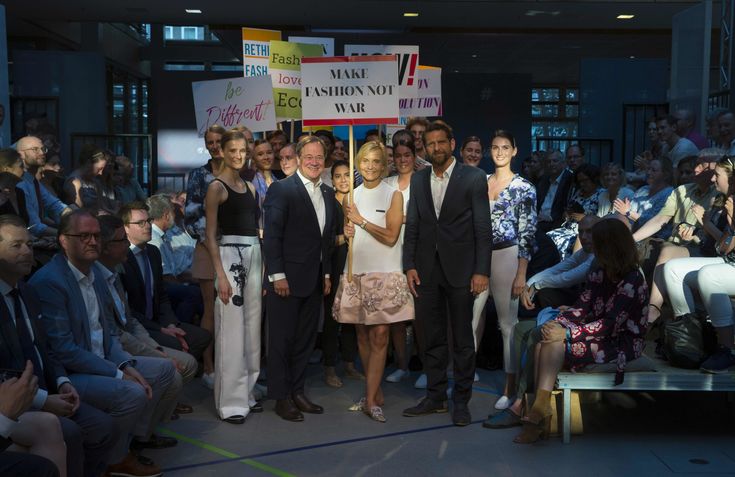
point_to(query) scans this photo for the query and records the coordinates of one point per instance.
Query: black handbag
(687, 341)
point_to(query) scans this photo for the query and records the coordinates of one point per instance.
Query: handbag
(687, 341)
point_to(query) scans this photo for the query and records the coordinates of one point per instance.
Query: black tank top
(237, 215)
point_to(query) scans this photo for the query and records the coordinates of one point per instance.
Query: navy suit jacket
(560, 199)
(66, 322)
(292, 241)
(461, 235)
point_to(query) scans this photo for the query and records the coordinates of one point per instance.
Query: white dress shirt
(544, 214)
(439, 186)
(86, 286)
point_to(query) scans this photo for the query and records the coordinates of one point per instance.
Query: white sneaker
(421, 382)
(477, 378)
(397, 375)
(208, 380)
(503, 403)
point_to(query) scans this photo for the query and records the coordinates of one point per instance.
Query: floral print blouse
(608, 322)
(513, 216)
(196, 189)
(648, 206)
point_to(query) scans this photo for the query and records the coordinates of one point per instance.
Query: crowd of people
(113, 300)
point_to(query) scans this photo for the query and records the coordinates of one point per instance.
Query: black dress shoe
(426, 406)
(155, 442)
(304, 405)
(288, 411)
(257, 407)
(183, 409)
(461, 415)
(237, 419)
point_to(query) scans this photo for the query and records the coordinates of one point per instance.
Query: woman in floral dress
(607, 324)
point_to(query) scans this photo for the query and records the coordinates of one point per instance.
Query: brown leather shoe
(304, 405)
(286, 410)
(131, 467)
(331, 378)
(183, 408)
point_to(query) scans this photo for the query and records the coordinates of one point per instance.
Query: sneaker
(396, 376)
(503, 403)
(421, 382)
(477, 378)
(720, 361)
(502, 420)
(208, 380)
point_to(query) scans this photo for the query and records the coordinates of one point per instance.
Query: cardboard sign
(256, 50)
(327, 44)
(349, 90)
(408, 61)
(285, 71)
(234, 102)
(429, 100)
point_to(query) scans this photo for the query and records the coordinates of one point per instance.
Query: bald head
(32, 151)
(684, 121)
(585, 231)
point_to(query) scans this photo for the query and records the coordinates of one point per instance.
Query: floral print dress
(564, 236)
(608, 322)
(513, 217)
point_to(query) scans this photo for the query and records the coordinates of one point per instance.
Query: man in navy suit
(552, 192)
(298, 238)
(23, 339)
(446, 256)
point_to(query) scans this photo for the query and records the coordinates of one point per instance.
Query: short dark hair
(402, 135)
(327, 134)
(8, 157)
(671, 120)
(67, 221)
(578, 146)
(372, 132)
(126, 211)
(409, 143)
(232, 135)
(310, 140)
(438, 125)
(271, 134)
(108, 225)
(7, 220)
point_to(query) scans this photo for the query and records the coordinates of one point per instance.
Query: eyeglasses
(85, 237)
(141, 223)
(36, 149)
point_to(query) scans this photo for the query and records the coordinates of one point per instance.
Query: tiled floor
(664, 434)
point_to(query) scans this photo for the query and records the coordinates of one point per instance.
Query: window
(188, 33)
(128, 97)
(554, 113)
(227, 67)
(183, 66)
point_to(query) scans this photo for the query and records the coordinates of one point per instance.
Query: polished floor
(633, 434)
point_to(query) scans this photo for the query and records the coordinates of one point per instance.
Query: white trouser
(237, 327)
(502, 273)
(715, 281)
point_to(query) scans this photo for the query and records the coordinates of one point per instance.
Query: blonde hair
(619, 168)
(372, 147)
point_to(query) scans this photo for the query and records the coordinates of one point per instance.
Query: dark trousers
(20, 464)
(186, 300)
(92, 434)
(292, 327)
(336, 336)
(197, 338)
(439, 306)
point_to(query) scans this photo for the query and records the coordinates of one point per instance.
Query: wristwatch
(363, 224)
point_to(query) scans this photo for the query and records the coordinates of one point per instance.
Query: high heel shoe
(532, 432)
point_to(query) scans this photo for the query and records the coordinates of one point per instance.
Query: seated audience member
(683, 241)
(532, 168)
(53, 176)
(606, 324)
(552, 192)
(127, 187)
(132, 334)
(648, 200)
(12, 199)
(23, 339)
(713, 277)
(288, 160)
(583, 201)
(186, 300)
(685, 121)
(40, 202)
(726, 130)
(144, 284)
(575, 157)
(712, 125)
(471, 151)
(30, 443)
(182, 243)
(679, 147)
(613, 183)
(685, 170)
(75, 306)
(82, 187)
(109, 204)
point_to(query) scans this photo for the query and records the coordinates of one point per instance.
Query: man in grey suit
(74, 305)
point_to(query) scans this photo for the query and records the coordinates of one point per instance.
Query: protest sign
(349, 90)
(326, 43)
(285, 71)
(429, 100)
(408, 61)
(234, 102)
(256, 50)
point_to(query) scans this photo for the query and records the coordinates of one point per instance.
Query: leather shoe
(155, 442)
(236, 419)
(130, 466)
(288, 411)
(426, 406)
(183, 408)
(257, 407)
(304, 405)
(461, 415)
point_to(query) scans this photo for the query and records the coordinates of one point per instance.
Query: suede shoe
(426, 406)
(461, 415)
(131, 467)
(288, 411)
(502, 420)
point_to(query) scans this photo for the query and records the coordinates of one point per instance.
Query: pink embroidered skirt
(373, 299)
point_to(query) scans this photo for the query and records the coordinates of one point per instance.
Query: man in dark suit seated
(552, 192)
(298, 238)
(143, 282)
(23, 338)
(75, 305)
(446, 256)
(16, 397)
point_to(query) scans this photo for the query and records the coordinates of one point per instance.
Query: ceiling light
(410, 14)
(474, 56)
(193, 10)
(632, 57)
(625, 16)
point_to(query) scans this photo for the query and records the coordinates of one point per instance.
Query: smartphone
(6, 374)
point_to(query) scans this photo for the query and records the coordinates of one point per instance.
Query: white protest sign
(256, 50)
(349, 90)
(429, 100)
(408, 61)
(327, 44)
(235, 102)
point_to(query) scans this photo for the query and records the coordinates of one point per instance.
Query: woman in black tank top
(231, 208)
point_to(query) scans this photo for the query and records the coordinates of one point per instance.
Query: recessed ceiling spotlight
(632, 57)
(410, 14)
(624, 16)
(474, 56)
(193, 10)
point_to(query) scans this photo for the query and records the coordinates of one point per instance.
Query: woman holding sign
(378, 294)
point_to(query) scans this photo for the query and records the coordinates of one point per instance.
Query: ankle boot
(533, 432)
(541, 408)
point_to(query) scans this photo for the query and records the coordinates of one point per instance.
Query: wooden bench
(663, 378)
